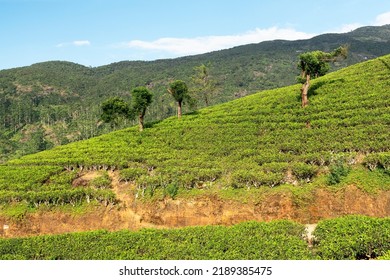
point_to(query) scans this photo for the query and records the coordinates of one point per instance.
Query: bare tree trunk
(141, 121)
(179, 109)
(206, 99)
(305, 91)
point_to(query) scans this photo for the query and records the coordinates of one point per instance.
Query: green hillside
(52, 103)
(259, 141)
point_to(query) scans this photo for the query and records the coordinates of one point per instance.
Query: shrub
(131, 174)
(101, 182)
(381, 160)
(255, 178)
(384, 161)
(303, 171)
(242, 178)
(172, 190)
(337, 172)
(386, 256)
(352, 237)
(275, 167)
(319, 159)
(371, 161)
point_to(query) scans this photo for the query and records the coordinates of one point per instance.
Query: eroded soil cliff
(205, 209)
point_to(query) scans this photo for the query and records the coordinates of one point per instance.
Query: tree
(315, 64)
(204, 85)
(142, 98)
(114, 109)
(179, 90)
(36, 141)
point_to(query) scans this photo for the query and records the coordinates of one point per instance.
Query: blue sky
(99, 32)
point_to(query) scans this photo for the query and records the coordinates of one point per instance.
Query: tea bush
(352, 237)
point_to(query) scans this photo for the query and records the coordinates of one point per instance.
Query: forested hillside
(53, 103)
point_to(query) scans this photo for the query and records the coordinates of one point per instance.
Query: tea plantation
(263, 140)
(354, 237)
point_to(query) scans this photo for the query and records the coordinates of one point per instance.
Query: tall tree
(315, 64)
(179, 91)
(142, 98)
(114, 109)
(203, 84)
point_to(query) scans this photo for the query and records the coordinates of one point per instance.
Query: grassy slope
(265, 139)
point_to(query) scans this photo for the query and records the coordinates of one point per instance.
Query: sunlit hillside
(263, 140)
(337, 146)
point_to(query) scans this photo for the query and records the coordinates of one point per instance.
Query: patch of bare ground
(309, 233)
(207, 209)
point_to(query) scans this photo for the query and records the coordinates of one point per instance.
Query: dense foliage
(251, 240)
(53, 103)
(179, 91)
(354, 237)
(203, 86)
(351, 237)
(114, 109)
(316, 63)
(141, 100)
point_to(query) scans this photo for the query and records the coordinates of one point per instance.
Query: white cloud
(198, 45)
(81, 43)
(60, 45)
(74, 43)
(382, 19)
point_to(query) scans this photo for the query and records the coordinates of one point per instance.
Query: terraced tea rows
(266, 139)
(353, 237)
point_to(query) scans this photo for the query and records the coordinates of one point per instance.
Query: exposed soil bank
(202, 210)
(212, 210)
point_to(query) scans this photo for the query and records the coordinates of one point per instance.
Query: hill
(53, 103)
(257, 157)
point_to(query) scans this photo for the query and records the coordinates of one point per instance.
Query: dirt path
(127, 203)
(309, 232)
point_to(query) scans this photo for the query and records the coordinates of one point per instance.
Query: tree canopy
(315, 64)
(142, 98)
(179, 91)
(204, 85)
(114, 109)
